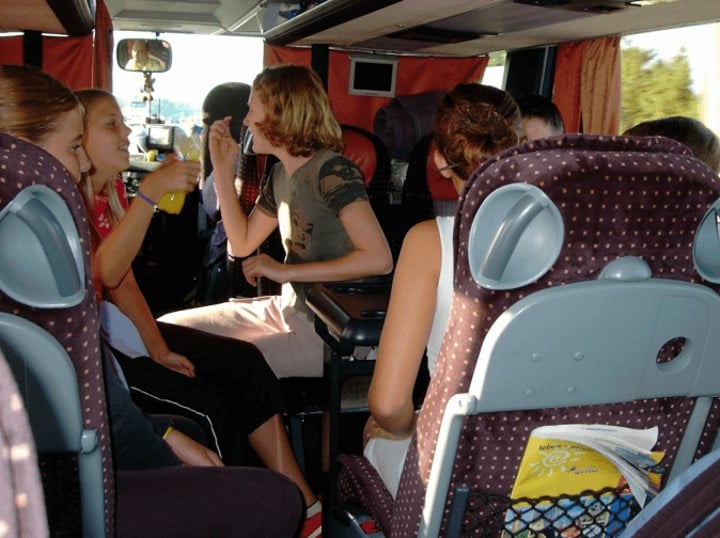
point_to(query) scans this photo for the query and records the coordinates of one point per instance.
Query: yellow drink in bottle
(172, 202)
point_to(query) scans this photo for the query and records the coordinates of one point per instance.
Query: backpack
(404, 121)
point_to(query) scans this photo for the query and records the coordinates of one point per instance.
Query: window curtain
(587, 85)
(414, 75)
(79, 62)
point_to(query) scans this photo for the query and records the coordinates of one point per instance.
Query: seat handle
(506, 238)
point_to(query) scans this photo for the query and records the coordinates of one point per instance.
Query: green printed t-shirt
(307, 205)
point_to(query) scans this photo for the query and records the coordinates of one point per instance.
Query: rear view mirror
(145, 55)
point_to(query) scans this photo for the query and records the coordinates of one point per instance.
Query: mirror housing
(144, 55)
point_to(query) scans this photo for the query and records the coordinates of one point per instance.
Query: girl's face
(106, 139)
(256, 114)
(65, 144)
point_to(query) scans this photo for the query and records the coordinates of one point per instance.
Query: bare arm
(128, 297)
(118, 250)
(190, 452)
(371, 254)
(406, 330)
(245, 234)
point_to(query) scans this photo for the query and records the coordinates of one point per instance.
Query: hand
(192, 453)
(172, 176)
(373, 430)
(224, 149)
(177, 363)
(264, 265)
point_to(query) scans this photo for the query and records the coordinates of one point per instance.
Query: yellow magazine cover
(555, 467)
(578, 461)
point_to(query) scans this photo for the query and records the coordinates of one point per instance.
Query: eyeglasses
(447, 167)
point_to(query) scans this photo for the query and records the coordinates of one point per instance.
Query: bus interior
(384, 64)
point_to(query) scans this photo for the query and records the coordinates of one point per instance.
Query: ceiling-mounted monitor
(372, 76)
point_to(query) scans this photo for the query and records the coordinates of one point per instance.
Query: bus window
(671, 72)
(495, 71)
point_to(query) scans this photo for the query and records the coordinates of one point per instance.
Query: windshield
(199, 64)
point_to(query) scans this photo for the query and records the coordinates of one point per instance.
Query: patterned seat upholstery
(22, 165)
(617, 197)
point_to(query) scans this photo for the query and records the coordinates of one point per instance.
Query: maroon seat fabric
(618, 197)
(22, 165)
(360, 483)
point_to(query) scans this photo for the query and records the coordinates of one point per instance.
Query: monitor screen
(372, 76)
(160, 137)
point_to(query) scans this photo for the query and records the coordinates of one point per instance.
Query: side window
(495, 71)
(671, 72)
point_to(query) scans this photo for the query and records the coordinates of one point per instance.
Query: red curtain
(79, 62)
(414, 75)
(587, 85)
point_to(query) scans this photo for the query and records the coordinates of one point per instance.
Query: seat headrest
(360, 149)
(706, 245)
(515, 237)
(41, 261)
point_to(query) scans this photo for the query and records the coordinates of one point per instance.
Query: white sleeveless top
(444, 290)
(388, 456)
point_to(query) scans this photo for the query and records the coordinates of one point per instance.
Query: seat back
(426, 194)
(615, 197)
(51, 395)
(589, 344)
(371, 156)
(18, 474)
(72, 319)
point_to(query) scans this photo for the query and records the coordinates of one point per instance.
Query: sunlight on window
(199, 63)
(495, 71)
(672, 72)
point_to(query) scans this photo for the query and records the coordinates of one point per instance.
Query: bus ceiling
(66, 17)
(427, 27)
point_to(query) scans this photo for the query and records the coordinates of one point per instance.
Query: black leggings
(234, 390)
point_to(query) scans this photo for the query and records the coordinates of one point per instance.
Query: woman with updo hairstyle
(473, 122)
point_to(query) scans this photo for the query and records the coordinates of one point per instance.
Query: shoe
(312, 528)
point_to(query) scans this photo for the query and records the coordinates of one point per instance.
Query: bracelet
(168, 432)
(145, 197)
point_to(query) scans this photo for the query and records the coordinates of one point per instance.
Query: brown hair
(89, 98)
(299, 117)
(691, 132)
(32, 103)
(474, 122)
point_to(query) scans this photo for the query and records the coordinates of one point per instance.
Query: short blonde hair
(299, 117)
